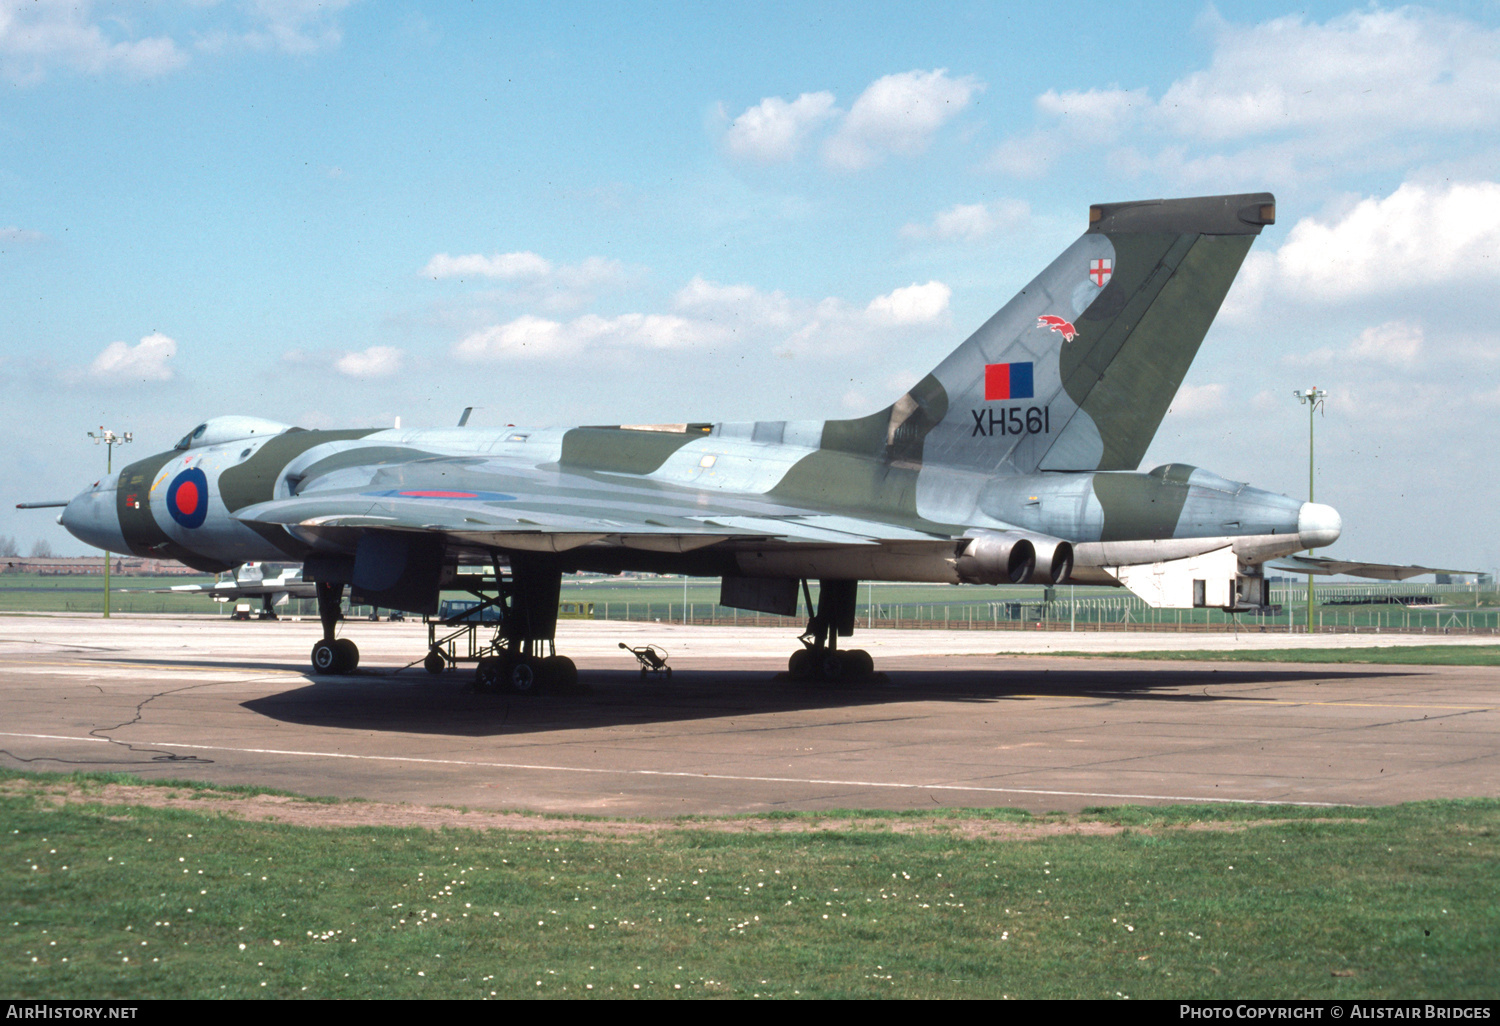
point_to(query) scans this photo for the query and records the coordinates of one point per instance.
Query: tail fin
(1077, 371)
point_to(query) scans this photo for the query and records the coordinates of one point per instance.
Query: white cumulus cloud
(147, 360)
(710, 313)
(1197, 400)
(970, 222)
(533, 279)
(1363, 72)
(375, 362)
(1287, 99)
(36, 35)
(1394, 342)
(914, 304)
(737, 304)
(507, 266)
(538, 337)
(1416, 238)
(898, 114)
(774, 130)
(295, 26)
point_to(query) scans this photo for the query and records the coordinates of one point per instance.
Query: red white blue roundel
(187, 498)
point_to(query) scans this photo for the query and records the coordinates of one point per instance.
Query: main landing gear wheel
(830, 666)
(560, 672)
(489, 674)
(434, 663)
(525, 676)
(339, 656)
(858, 663)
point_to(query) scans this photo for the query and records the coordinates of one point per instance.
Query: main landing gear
(820, 659)
(522, 658)
(332, 655)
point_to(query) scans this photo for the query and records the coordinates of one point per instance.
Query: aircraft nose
(1318, 525)
(91, 517)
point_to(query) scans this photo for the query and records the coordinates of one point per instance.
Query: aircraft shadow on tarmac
(198, 662)
(414, 702)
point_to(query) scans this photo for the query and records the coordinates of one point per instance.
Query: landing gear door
(1207, 580)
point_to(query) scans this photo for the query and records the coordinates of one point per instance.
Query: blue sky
(336, 214)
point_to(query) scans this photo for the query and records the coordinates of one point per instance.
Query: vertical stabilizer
(1076, 372)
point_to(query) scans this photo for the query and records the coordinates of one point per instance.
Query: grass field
(134, 901)
(1401, 655)
(85, 594)
(879, 603)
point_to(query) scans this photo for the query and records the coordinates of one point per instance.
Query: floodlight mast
(110, 439)
(1313, 398)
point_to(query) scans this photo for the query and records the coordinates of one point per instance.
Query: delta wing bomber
(1014, 461)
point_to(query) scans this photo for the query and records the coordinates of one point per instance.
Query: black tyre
(833, 666)
(489, 675)
(434, 663)
(799, 665)
(348, 655)
(560, 671)
(858, 663)
(526, 676)
(325, 658)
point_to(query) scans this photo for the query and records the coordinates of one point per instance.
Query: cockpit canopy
(229, 429)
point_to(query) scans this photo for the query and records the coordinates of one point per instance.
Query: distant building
(125, 566)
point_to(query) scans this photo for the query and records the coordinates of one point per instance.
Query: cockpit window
(187, 439)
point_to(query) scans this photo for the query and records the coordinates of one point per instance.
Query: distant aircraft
(248, 581)
(1013, 461)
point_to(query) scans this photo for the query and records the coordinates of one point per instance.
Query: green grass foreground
(136, 902)
(1394, 655)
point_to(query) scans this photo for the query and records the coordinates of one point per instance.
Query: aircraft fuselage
(185, 503)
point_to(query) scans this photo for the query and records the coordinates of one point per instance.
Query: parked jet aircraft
(1014, 460)
(249, 581)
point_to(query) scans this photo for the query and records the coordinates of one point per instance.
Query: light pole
(1313, 398)
(110, 440)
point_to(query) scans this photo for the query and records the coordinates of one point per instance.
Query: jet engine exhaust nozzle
(992, 557)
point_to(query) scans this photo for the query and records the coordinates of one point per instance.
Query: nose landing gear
(332, 655)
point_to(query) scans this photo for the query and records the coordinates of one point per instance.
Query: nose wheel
(332, 655)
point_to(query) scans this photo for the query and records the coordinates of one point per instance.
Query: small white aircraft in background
(249, 581)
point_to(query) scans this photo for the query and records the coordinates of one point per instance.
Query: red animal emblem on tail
(1057, 324)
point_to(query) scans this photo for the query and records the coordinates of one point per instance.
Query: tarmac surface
(956, 718)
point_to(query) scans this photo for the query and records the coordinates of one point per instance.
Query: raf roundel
(187, 498)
